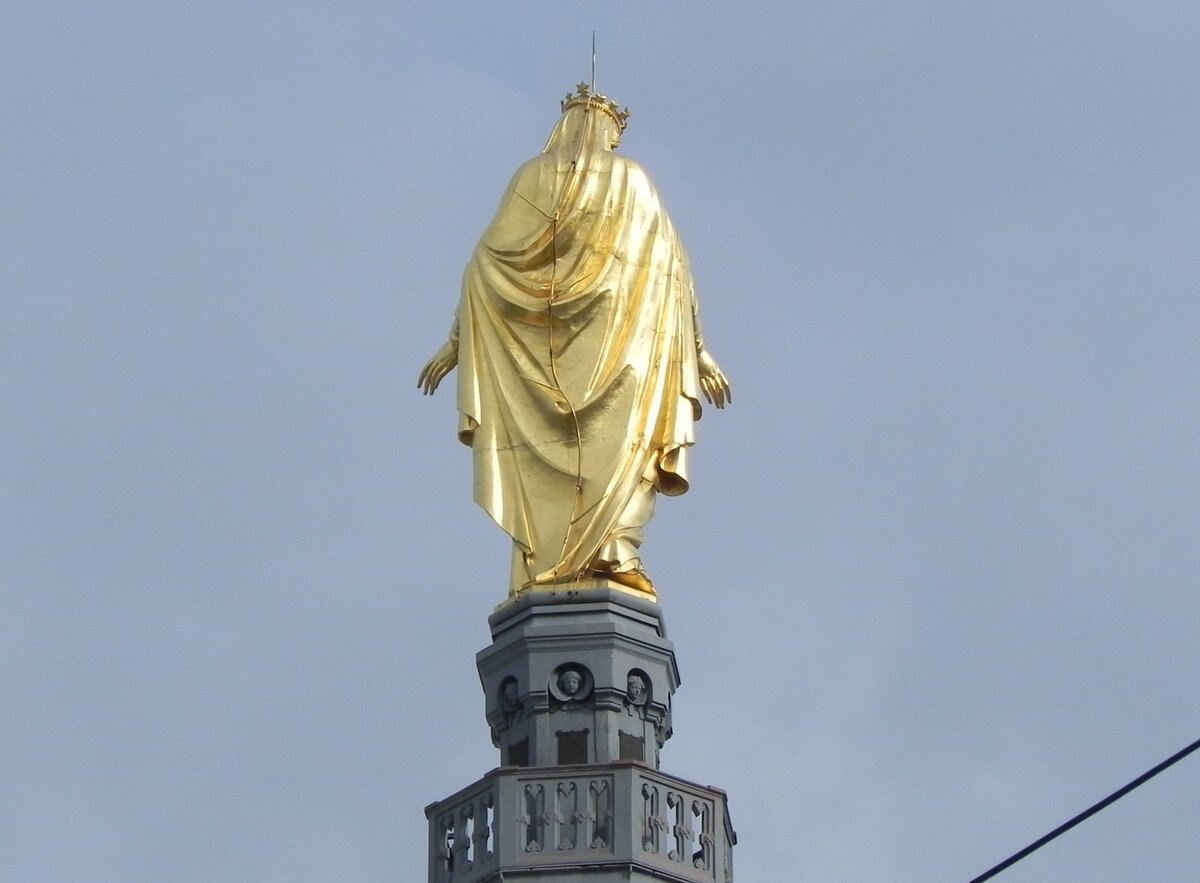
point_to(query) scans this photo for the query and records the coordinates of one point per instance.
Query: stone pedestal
(578, 686)
(580, 676)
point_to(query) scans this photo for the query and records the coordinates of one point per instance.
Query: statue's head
(583, 96)
(588, 119)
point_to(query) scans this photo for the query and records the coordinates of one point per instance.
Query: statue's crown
(583, 94)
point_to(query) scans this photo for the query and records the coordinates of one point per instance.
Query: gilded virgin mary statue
(581, 362)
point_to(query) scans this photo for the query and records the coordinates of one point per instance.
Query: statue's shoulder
(535, 173)
(635, 177)
(630, 166)
(533, 167)
(530, 181)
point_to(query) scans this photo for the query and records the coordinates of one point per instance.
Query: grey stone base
(577, 685)
(593, 823)
(578, 675)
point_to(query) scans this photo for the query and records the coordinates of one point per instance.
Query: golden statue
(581, 359)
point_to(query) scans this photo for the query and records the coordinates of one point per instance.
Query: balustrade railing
(625, 815)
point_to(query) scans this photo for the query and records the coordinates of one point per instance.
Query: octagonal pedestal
(577, 690)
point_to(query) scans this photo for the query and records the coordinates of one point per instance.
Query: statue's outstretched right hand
(439, 366)
(713, 381)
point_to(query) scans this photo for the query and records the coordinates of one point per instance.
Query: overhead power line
(1087, 813)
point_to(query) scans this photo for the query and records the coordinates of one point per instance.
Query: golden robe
(577, 356)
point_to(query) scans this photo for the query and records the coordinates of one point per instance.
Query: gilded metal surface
(580, 355)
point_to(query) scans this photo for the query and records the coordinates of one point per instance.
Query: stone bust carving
(570, 682)
(636, 689)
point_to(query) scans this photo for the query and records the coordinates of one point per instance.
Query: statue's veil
(582, 130)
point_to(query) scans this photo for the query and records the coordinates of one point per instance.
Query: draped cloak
(577, 352)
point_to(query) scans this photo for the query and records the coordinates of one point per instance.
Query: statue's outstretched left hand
(439, 366)
(713, 380)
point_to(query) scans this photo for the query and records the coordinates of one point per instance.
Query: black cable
(1088, 813)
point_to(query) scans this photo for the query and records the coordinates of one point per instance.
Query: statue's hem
(597, 590)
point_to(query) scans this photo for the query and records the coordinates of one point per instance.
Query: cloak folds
(577, 353)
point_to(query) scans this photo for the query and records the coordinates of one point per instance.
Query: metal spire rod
(593, 61)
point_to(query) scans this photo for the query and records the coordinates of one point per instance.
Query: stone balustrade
(622, 817)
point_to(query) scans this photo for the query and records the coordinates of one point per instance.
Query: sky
(934, 589)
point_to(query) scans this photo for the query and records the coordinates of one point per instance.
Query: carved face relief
(635, 689)
(570, 682)
(509, 695)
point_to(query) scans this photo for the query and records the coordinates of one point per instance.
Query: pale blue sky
(935, 588)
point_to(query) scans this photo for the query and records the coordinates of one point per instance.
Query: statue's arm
(442, 363)
(516, 215)
(713, 381)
